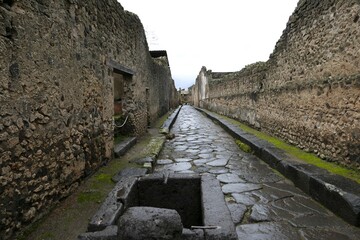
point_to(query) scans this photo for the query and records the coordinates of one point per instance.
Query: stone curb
(215, 210)
(121, 148)
(165, 128)
(339, 194)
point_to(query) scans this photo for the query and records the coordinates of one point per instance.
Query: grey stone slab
(229, 178)
(327, 234)
(237, 212)
(200, 162)
(201, 169)
(253, 170)
(240, 187)
(164, 161)
(206, 151)
(187, 171)
(270, 194)
(267, 231)
(176, 167)
(121, 148)
(218, 163)
(206, 155)
(193, 151)
(180, 148)
(292, 208)
(318, 221)
(260, 213)
(183, 159)
(247, 199)
(215, 211)
(218, 170)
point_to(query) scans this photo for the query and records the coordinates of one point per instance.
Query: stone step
(121, 148)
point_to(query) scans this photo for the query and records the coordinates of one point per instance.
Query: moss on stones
(309, 158)
(244, 147)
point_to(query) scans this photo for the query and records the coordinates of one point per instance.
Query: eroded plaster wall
(308, 92)
(56, 97)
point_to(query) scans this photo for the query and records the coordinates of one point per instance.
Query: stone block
(140, 223)
(121, 148)
(215, 211)
(121, 197)
(339, 194)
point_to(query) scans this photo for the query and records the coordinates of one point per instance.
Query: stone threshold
(121, 148)
(339, 194)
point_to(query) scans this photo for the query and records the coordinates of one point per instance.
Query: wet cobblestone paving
(263, 204)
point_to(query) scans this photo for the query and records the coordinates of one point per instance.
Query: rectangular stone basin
(198, 200)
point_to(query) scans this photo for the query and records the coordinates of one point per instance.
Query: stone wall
(56, 97)
(308, 92)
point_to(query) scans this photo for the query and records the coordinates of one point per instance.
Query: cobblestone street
(263, 204)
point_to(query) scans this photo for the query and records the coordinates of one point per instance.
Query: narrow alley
(263, 204)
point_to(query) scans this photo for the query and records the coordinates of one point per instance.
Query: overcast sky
(222, 35)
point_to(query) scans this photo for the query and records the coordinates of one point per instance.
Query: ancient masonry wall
(56, 97)
(308, 92)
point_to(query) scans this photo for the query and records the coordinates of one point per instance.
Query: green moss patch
(90, 196)
(102, 177)
(244, 147)
(298, 153)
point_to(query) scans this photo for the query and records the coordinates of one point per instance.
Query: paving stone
(260, 213)
(237, 212)
(218, 170)
(201, 169)
(200, 162)
(187, 171)
(267, 230)
(318, 221)
(247, 199)
(218, 163)
(164, 161)
(325, 234)
(240, 187)
(229, 178)
(183, 159)
(176, 167)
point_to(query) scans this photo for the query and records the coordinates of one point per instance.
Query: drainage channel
(140, 206)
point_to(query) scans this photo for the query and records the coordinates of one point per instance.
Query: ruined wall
(200, 90)
(56, 97)
(308, 92)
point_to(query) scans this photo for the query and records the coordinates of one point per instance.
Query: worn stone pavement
(263, 204)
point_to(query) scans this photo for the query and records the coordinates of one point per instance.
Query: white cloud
(223, 35)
